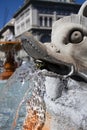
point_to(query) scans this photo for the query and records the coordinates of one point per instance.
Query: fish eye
(76, 37)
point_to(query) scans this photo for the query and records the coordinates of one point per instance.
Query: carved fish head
(69, 36)
(68, 42)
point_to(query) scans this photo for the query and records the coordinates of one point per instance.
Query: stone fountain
(9, 48)
(55, 93)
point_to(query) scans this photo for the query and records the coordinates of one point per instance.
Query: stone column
(48, 24)
(43, 21)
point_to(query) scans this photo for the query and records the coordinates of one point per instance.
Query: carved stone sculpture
(68, 45)
(66, 89)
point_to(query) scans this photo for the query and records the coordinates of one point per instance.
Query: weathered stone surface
(69, 112)
(65, 98)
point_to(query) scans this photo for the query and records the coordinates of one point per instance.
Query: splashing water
(25, 86)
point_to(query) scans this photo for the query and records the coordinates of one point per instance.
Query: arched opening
(45, 38)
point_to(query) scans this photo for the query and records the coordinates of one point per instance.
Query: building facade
(25, 1)
(7, 32)
(37, 16)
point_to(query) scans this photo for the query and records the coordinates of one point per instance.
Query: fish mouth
(58, 69)
(61, 70)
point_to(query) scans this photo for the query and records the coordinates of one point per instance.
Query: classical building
(37, 16)
(25, 1)
(7, 32)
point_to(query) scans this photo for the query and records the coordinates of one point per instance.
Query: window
(45, 38)
(18, 29)
(22, 26)
(28, 22)
(27, 12)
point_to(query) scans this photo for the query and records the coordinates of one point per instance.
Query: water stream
(14, 94)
